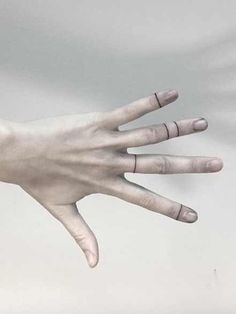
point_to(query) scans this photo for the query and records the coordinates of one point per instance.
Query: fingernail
(200, 124)
(171, 95)
(215, 164)
(91, 258)
(190, 216)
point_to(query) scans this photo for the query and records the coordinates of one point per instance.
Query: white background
(63, 57)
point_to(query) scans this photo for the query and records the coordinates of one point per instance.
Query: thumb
(72, 220)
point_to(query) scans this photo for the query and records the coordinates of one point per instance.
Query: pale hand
(60, 160)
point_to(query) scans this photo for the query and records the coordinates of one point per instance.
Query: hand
(60, 160)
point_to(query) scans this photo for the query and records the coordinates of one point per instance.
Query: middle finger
(157, 133)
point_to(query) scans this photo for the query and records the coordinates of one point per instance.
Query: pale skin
(60, 160)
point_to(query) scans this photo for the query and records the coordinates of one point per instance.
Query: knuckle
(123, 163)
(79, 237)
(129, 109)
(113, 135)
(94, 119)
(162, 165)
(151, 133)
(101, 117)
(111, 186)
(195, 165)
(148, 201)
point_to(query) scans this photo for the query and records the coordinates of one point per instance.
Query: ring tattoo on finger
(157, 163)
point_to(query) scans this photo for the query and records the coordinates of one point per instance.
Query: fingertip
(221, 164)
(207, 124)
(215, 164)
(92, 259)
(166, 97)
(193, 217)
(189, 215)
(171, 95)
(175, 93)
(200, 124)
(93, 263)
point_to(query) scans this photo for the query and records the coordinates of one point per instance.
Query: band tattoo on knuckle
(179, 212)
(167, 130)
(177, 127)
(158, 101)
(135, 163)
(162, 165)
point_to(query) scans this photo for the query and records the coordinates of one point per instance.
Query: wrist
(14, 148)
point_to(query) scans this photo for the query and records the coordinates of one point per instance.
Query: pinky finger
(136, 194)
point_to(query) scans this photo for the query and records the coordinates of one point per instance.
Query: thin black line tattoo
(158, 100)
(167, 130)
(177, 218)
(135, 162)
(177, 127)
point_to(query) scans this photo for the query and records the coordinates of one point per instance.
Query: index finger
(141, 106)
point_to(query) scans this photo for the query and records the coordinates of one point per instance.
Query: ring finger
(170, 164)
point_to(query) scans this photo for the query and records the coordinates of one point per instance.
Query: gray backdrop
(63, 57)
